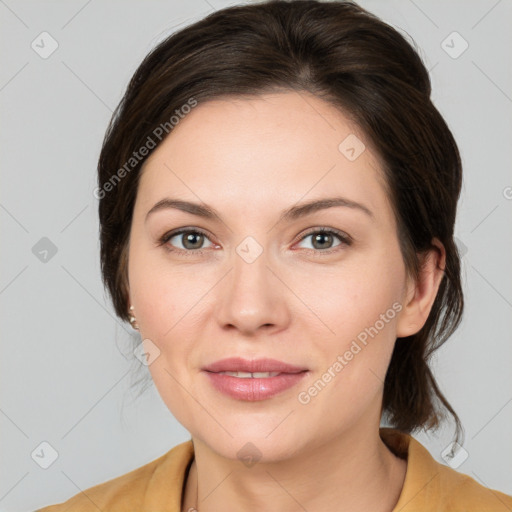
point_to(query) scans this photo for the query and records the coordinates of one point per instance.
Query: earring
(133, 320)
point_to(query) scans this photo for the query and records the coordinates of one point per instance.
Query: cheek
(343, 300)
(164, 314)
(360, 307)
(161, 293)
(349, 378)
(173, 303)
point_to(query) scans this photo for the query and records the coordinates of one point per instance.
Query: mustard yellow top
(157, 486)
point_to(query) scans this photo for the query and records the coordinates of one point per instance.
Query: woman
(244, 144)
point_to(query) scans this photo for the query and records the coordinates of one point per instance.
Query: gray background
(66, 364)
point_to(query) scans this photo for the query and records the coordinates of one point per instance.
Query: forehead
(264, 151)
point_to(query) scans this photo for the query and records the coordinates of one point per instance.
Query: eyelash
(344, 239)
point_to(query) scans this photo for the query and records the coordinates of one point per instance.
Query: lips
(238, 364)
(253, 380)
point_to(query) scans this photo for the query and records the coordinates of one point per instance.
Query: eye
(189, 240)
(323, 239)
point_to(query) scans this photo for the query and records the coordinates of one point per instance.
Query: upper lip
(238, 364)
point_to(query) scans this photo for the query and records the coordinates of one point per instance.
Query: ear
(420, 295)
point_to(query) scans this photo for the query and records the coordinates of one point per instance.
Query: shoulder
(160, 479)
(462, 492)
(430, 485)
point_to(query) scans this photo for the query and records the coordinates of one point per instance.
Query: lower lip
(255, 389)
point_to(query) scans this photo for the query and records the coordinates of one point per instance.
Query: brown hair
(350, 58)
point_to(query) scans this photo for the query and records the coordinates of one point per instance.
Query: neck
(353, 472)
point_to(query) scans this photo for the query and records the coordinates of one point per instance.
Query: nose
(252, 298)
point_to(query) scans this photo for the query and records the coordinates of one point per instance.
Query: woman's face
(251, 282)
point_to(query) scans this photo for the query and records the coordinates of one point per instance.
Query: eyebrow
(293, 213)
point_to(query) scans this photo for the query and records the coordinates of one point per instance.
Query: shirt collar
(167, 483)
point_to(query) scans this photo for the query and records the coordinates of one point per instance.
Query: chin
(250, 443)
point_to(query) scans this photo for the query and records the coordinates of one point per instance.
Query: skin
(250, 159)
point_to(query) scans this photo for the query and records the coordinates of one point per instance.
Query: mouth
(244, 367)
(249, 375)
(253, 380)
